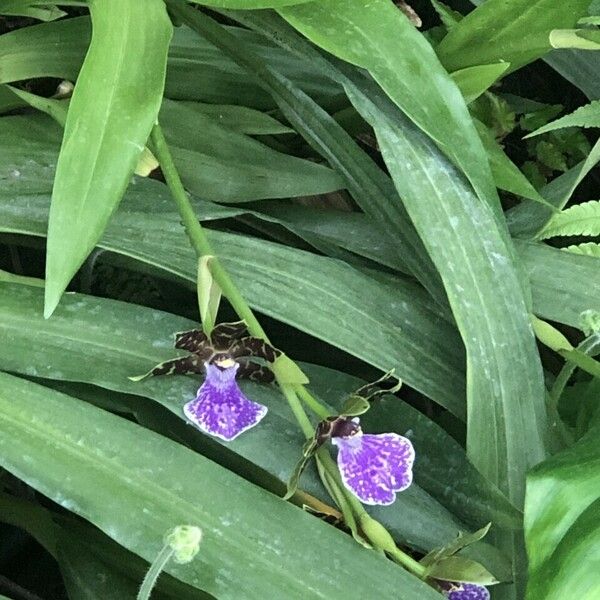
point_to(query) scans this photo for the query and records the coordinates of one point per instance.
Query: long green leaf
(135, 485)
(196, 70)
(516, 31)
(565, 284)
(562, 513)
(369, 186)
(219, 164)
(495, 343)
(379, 38)
(113, 108)
(80, 339)
(584, 116)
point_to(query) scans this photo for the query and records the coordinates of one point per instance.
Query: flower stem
(375, 532)
(154, 571)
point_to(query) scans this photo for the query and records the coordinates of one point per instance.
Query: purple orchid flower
(373, 467)
(220, 407)
(464, 591)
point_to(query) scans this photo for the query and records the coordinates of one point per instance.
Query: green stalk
(379, 537)
(159, 563)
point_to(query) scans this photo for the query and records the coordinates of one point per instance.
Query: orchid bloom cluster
(374, 467)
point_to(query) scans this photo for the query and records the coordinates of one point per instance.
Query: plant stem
(375, 532)
(154, 571)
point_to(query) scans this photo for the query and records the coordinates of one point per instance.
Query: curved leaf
(378, 37)
(113, 108)
(516, 31)
(136, 485)
(561, 523)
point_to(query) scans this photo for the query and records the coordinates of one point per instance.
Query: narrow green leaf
(219, 164)
(241, 118)
(32, 9)
(584, 116)
(561, 523)
(581, 219)
(114, 106)
(473, 81)
(579, 39)
(135, 485)
(247, 4)
(516, 31)
(379, 38)
(57, 109)
(369, 186)
(580, 67)
(209, 295)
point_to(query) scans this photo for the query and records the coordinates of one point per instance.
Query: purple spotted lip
(464, 591)
(220, 407)
(373, 467)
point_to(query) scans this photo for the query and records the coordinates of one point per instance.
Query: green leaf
(580, 67)
(57, 109)
(580, 39)
(584, 116)
(369, 186)
(122, 81)
(80, 340)
(32, 9)
(515, 31)
(527, 219)
(462, 541)
(587, 249)
(219, 164)
(580, 219)
(247, 4)
(561, 523)
(565, 284)
(379, 38)
(135, 485)
(241, 118)
(473, 81)
(53, 49)
(459, 568)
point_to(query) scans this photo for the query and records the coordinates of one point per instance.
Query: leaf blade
(101, 147)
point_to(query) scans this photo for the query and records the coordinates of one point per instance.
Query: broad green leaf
(135, 485)
(145, 338)
(473, 81)
(581, 219)
(113, 108)
(580, 67)
(468, 262)
(515, 31)
(196, 70)
(219, 164)
(379, 38)
(53, 49)
(585, 116)
(241, 118)
(389, 326)
(562, 526)
(369, 186)
(527, 219)
(505, 391)
(565, 284)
